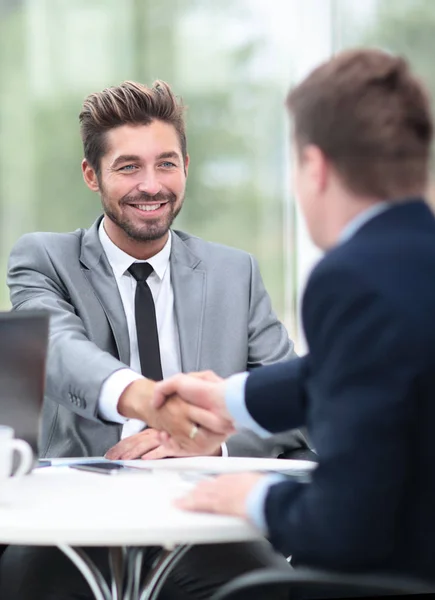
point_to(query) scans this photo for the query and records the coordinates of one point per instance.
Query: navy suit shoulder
(393, 255)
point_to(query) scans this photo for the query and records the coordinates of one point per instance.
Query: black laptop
(23, 352)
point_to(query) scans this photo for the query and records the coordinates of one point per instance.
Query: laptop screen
(23, 351)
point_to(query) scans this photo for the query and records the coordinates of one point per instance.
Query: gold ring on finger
(193, 432)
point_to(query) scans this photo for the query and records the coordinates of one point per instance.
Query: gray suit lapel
(189, 285)
(100, 276)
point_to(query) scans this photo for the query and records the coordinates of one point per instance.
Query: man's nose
(149, 183)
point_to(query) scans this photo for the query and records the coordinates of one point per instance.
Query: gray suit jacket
(224, 317)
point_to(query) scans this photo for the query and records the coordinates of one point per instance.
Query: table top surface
(60, 505)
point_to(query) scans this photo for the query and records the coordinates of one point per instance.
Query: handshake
(186, 415)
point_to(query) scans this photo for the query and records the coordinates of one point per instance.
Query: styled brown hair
(130, 103)
(370, 116)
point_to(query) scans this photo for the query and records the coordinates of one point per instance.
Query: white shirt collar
(361, 219)
(120, 261)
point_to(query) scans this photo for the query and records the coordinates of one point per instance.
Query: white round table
(71, 509)
(63, 507)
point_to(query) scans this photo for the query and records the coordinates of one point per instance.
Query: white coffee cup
(7, 446)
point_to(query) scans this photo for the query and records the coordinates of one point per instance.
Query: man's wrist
(236, 405)
(111, 391)
(135, 400)
(256, 500)
(221, 399)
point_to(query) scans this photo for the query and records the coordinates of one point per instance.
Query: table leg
(117, 569)
(160, 571)
(126, 570)
(90, 572)
(133, 573)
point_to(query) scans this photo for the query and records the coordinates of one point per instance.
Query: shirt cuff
(236, 406)
(255, 503)
(111, 391)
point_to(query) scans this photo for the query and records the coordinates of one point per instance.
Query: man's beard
(144, 232)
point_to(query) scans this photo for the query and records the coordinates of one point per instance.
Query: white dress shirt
(160, 285)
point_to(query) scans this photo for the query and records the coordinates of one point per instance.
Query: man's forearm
(235, 404)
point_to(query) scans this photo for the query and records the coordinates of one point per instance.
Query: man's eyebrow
(125, 158)
(170, 154)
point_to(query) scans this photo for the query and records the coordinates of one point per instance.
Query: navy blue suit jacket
(366, 391)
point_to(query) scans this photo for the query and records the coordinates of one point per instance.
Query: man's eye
(127, 168)
(167, 164)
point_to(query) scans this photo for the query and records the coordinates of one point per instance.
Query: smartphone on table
(107, 468)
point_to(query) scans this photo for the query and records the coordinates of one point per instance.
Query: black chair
(310, 583)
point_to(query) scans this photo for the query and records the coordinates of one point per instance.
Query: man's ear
(186, 164)
(90, 176)
(318, 166)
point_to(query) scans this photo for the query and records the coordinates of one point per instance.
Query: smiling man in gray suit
(212, 310)
(132, 301)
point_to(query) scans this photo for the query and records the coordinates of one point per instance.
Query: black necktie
(146, 323)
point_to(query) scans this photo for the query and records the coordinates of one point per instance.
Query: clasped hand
(192, 404)
(186, 415)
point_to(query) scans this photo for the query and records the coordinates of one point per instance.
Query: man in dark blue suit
(366, 389)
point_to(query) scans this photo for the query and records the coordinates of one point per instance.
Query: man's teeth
(148, 207)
